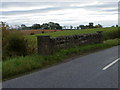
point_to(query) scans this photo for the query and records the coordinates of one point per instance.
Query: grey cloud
(105, 5)
(32, 11)
(111, 10)
(57, 6)
(100, 7)
(29, 4)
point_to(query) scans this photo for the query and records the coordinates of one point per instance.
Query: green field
(107, 34)
(76, 32)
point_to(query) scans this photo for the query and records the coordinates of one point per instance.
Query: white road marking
(111, 64)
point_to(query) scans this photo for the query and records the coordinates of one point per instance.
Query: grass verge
(19, 65)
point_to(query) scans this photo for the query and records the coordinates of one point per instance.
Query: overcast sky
(63, 12)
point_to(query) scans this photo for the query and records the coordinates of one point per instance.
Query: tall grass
(14, 44)
(18, 65)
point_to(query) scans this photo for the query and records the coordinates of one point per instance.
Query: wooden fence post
(44, 45)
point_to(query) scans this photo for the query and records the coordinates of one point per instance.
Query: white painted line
(111, 64)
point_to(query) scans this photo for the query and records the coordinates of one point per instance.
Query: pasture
(77, 32)
(38, 31)
(107, 34)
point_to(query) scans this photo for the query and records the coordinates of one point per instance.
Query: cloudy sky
(65, 13)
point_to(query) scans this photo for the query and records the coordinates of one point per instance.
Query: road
(96, 70)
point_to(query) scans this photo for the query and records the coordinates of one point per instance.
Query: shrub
(13, 44)
(19, 65)
(111, 34)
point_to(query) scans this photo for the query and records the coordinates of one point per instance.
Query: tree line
(51, 26)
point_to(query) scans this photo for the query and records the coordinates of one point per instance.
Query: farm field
(28, 32)
(107, 33)
(76, 32)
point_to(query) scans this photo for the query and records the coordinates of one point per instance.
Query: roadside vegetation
(20, 56)
(21, 64)
(14, 44)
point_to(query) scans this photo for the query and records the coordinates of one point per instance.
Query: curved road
(96, 70)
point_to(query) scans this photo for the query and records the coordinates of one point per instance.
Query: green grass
(107, 34)
(73, 32)
(19, 65)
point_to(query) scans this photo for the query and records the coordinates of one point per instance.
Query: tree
(87, 27)
(98, 26)
(36, 26)
(51, 25)
(91, 25)
(57, 26)
(44, 26)
(78, 27)
(23, 26)
(4, 25)
(64, 27)
(71, 27)
(113, 26)
(116, 25)
(82, 26)
(75, 27)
